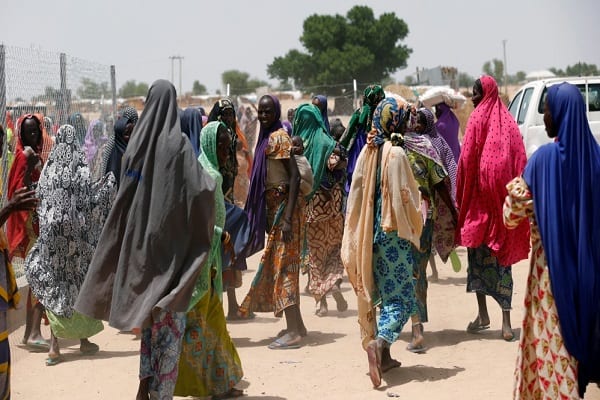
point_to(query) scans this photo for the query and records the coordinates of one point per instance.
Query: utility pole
(173, 58)
(505, 73)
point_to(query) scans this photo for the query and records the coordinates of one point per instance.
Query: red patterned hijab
(492, 154)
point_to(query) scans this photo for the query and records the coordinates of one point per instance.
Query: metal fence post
(3, 120)
(64, 103)
(113, 89)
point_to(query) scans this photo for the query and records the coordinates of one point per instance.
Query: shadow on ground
(314, 338)
(451, 337)
(454, 281)
(419, 373)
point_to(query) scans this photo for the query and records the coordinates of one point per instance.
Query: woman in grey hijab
(155, 242)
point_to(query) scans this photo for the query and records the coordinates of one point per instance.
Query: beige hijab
(399, 212)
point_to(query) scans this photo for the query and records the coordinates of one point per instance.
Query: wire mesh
(60, 89)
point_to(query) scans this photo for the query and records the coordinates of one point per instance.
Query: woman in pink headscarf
(492, 153)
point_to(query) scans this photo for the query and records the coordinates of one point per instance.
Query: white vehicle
(527, 107)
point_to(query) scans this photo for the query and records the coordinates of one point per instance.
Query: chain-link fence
(58, 88)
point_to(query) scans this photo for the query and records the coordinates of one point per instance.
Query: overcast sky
(138, 36)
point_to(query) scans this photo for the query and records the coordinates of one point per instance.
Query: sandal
(52, 361)
(508, 336)
(416, 348)
(374, 358)
(477, 326)
(37, 345)
(287, 341)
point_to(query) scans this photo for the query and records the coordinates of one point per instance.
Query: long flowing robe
(72, 212)
(157, 237)
(563, 178)
(492, 154)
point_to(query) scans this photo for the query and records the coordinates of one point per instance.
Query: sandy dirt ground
(331, 364)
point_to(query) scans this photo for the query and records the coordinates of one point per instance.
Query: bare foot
(142, 393)
(231, 393)
(374, 358)
(87, 347)
(387, 362)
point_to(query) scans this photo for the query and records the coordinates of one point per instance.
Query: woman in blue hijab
(558, 192)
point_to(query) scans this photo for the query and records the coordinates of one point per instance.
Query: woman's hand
(286, 230)
(228, 246)
(22, 200)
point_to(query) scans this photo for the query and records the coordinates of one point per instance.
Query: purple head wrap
(448, 126)
(256, 205)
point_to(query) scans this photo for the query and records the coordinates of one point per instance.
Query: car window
(514, 105)
(594, 97)
(542, 101)
(524, 105)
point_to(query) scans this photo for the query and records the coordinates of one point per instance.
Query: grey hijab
(157, 236)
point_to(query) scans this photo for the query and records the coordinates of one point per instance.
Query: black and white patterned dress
(72, 211)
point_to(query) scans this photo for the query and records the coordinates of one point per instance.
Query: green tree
(50, 94)
(90, 89)
(133, 89)
(342, 48)
(581, 69)
(409, 80)
(465, 80)
(494, 68)
(517, 78)
(240, 82)
(198, 88)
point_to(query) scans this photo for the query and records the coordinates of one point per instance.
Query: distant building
(438, 76)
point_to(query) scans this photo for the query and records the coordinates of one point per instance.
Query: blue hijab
(564, 178)
(191, 125)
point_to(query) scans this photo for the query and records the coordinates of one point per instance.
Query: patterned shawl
(443, 149)
(399, 215)
(564, 178)
(492, 155)
(72, 212)
(158, 234)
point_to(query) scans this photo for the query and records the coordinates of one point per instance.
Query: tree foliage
(133, 89)
(240, 82)
(90, 89)
(494, 68)
(579, 69)
(342, 48)
(198, 88)
(465, 80)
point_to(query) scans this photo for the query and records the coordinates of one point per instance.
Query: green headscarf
(318, 144)
(362, 117)
(210, 162)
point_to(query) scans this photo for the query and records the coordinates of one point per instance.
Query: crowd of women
(146, 223)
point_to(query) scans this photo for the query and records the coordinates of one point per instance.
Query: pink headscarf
(492, 154)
